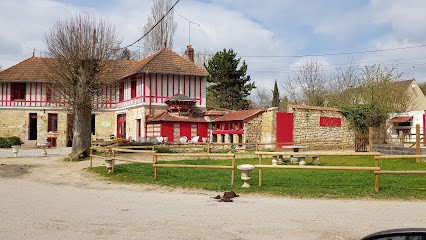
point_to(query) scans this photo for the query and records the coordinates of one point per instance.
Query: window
(133, 88)
(52, 125)
(18, 91)
(121, 92)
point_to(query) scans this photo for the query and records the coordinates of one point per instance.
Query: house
(405, 122)
(30, 109)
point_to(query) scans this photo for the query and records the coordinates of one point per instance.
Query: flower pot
(245, 174)
(15, 150)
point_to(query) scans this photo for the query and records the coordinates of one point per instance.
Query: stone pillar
(236, 138)
(227, 138)
(219, 138)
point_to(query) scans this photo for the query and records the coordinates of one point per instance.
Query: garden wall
(312, 123)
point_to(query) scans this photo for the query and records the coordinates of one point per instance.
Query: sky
(272, 37)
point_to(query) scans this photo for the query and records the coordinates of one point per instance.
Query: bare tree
(163, 33)
(81, 46)
(262, 98)
(201, 56)
(308, 82)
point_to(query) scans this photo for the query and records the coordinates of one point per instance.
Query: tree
(378, 95)
(163, 33)
(125, 54)
(275, 96)
(307, 82)
(81, 46)
(229, 86)
(261, 98)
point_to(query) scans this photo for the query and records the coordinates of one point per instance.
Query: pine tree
(275, 96)
(229, 86)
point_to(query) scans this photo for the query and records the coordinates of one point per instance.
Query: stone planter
(245, 174)
(15, 150)
(43, 146)
(108, 162)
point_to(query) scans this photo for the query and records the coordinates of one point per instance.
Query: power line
(161, 19)
(334, 54)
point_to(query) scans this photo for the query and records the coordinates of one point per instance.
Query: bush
(8, 142)
(14, 140)
(4, 143)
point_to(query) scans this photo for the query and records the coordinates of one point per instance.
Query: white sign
(105, 124)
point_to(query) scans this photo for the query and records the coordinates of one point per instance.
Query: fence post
(233, 170)
(91, 152)
(376, 175)
(113, 161)
(155, 169)
(257, 146)
(418, 142)
(208, 147)
(370, 139)
(260, 170)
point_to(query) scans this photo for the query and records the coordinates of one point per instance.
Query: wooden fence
(356, 168)
(209, 155)
(377, 173)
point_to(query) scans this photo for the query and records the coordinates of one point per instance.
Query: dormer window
(18, 91)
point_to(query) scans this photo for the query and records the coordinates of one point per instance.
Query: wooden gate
(361, 143)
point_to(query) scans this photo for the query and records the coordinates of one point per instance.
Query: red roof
(400, 119)
(168, 117)
(240, 115)
(37, 69)
(167, 61)
(215, 113)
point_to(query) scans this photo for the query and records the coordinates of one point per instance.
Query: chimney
(189, 53)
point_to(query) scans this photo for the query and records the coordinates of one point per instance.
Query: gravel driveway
(47, 198)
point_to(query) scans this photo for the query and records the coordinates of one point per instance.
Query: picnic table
(300, 159)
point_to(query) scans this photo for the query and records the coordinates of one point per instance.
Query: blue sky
(251, 28)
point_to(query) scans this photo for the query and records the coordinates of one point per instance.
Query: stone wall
(252, 130)
(14, 122)
(269, 126)
(306, 127)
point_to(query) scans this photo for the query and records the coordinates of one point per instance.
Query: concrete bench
(301, 159)
(278, 159)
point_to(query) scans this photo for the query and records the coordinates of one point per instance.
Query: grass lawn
(286, 182)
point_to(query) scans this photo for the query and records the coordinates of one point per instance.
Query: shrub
(8, 142)
(14, 140)
(4, 143)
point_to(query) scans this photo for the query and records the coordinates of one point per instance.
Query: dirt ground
(48, 198)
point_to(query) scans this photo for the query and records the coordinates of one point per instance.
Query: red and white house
(31, 110)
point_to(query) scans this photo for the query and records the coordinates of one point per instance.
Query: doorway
(121, 126)
(33, 127)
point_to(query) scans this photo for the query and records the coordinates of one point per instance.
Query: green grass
(286, 182)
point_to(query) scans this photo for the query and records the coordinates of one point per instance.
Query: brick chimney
(189, 53)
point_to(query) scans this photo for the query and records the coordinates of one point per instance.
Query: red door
(202, 131)
(284, 128)
(121, 126)
(167, 129)
(185, 130)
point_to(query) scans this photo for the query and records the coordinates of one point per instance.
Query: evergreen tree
(229, 86)
(275, 96)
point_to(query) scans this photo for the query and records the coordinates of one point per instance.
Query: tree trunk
(81, 141)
